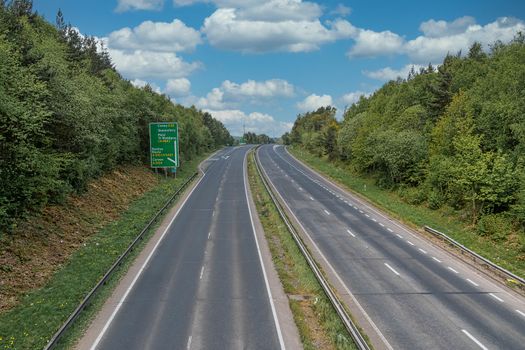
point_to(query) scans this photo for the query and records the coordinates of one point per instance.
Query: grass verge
(41, 312)
(318, 323)
(445, 220)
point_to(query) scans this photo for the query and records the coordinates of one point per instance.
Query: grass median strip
(319, 325)
(505, 254)
(41, 312)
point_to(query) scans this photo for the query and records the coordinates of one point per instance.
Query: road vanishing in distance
(415, 296)
(204, 287)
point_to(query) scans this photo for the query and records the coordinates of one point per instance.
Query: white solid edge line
(374, 326)
(496, 297)
(520, 312)
(350, 232)
(274, 313)
(121, 301)
(474, 339)
(391, 269)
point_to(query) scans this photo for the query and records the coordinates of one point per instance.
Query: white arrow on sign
(171, 160)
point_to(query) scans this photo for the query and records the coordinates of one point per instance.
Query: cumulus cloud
(313, 102)
(455, 36)
(438, 39)
(436, 29)
(156, 36)
(369, 43)
(227, 29)
(252, 88)
(259, 123)
(213, 100)
(126, 5)
(265, 10)
(388, 73)
(341, 10)
(352, 97)
(149, 64)
(142, 83)
(229, 94)
(178, 87)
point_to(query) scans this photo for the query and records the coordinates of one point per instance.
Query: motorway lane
(418, 296)
(204, 286)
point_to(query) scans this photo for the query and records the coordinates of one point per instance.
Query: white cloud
(213, 100)
(369, 43)
(265, 10)
(156, 36)
(252, 88)
(126, 5)
(447, 38)
(149, 64)
(440, 38)
(226, 29)
(230, 94)
(313, 102)
(352, 97)
(259, 123)
(342, 10)
(141, 83)
(436, 29)
(388, 73)
(178, 87)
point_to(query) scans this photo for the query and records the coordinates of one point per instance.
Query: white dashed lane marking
(350, 232)
(392, 269)
(496, 297)
(451, 269)
(474, 339)
(472, 282)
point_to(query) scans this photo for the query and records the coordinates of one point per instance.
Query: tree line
(67, 116)
(447, 136)
(253, 138)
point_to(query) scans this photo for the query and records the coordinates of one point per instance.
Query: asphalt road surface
(204, 287)
(416, 295)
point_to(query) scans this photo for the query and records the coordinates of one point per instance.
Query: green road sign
(164, 145)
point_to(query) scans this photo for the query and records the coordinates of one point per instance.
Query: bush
(435, 200)
(412, 195)
(496, 226)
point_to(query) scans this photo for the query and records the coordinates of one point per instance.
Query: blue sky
(262, 62)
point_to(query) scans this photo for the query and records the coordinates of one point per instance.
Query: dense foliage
(67, 116)
(253, 138)
(452, 136)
